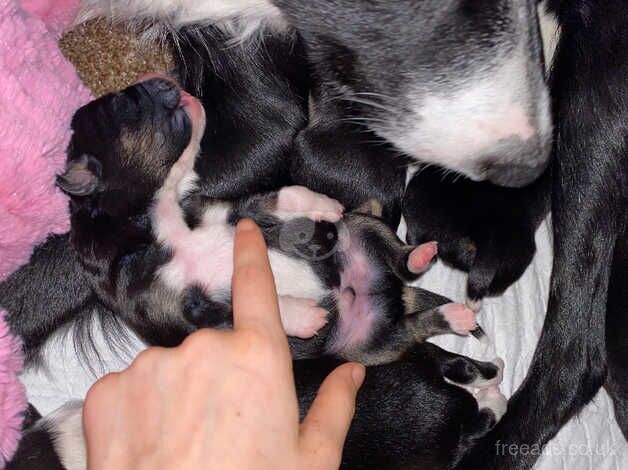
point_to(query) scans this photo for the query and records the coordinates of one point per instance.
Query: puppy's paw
(481, 383)
(492, 399)
(298, 201)
(421, 257)
(462, 320)
(302, 318)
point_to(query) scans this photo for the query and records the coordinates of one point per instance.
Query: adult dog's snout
(513, 175)
(514, 164)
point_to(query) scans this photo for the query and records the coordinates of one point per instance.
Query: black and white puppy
(159, 253)
(146, 138)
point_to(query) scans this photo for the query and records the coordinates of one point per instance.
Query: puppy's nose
(163, 91)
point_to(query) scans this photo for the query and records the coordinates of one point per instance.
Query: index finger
(254, 296)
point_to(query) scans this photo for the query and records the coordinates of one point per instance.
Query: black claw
(478, 332)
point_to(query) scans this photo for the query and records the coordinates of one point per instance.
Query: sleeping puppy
(263, 121)
(412, 413)
(131, 179)
(456, 84)
(483, 229)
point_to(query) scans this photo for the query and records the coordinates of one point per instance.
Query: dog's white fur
(242, 17)
(550, 33)
(454, 123)
(456, 127)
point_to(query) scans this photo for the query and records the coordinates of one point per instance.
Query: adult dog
(584, 343)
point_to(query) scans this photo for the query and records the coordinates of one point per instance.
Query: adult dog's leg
(569, 365)
(617, 334)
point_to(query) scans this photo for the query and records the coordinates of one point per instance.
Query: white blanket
(513, 322)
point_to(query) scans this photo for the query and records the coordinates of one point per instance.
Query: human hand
(222, 399)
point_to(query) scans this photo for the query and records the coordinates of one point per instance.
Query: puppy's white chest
(203, 256)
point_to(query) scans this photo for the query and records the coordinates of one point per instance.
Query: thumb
(325, 427)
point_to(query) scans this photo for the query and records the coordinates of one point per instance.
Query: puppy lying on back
(130, 173)
(160, 254)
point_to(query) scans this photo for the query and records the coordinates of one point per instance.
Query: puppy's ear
(81, 176)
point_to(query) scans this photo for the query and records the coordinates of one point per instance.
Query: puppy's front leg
(291, 202)
(298, 201)
(300, 317)
(445, 319)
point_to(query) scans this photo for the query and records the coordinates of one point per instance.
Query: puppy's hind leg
(464, 371)
(421, 323)
(481, 379)
(407, 262)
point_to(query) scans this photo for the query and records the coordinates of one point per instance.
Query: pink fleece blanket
(39, 92)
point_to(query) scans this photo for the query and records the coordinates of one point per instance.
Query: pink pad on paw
(298, 201)
(461, 320)
(301, 317)
(421, 257)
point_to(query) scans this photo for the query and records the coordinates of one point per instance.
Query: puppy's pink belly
(357, 314)
(356, 321)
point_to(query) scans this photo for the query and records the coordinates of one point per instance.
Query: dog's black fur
(259, 94)
(583, 345)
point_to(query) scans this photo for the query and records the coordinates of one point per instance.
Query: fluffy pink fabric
(39, 92)
(12, 396)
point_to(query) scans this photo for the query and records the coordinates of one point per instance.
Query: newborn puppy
(483, 229)
(266, 129)
(160, 254)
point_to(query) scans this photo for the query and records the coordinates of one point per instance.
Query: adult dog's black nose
(163, 91)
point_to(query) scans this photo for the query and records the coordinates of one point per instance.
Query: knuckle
(198, 342)
(147, 358)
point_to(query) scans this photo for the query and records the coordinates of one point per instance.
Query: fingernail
(358, 373)
(245, 225)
